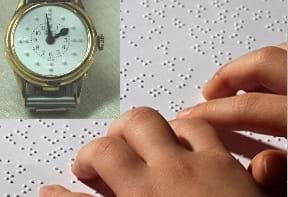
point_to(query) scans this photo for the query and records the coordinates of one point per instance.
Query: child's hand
(144, 156)
(263, 75)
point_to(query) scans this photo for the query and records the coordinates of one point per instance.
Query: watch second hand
(50, 39)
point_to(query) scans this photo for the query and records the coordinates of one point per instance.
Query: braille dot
(36, 18)
(63, 18)
(27, 54)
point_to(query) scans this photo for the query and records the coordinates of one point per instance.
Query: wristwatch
(50, 45)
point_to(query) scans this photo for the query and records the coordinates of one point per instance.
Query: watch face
(51, 40)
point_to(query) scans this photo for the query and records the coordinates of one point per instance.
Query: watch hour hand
(63, 32)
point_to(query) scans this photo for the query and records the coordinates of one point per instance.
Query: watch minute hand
(48, 26)
(50, 39)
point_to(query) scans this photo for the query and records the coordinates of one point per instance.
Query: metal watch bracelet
(44, 101)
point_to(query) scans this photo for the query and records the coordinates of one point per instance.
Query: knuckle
(265, 54)
(132, 120)
(102, 146)
(141, 114)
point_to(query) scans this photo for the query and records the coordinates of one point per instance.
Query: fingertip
(269, 167)
(82, 172)
(283, 45)
(192, 112)
(50, 190)
(206, 91)
(269, 170)
(275, 169)
(184, 113)
(215, 88)
(74, 169)
(45, 191)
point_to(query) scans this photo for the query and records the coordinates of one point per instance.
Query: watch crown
(100, 42)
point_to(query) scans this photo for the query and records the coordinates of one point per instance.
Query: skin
(144, 155)
(262, 74)
(185, 157)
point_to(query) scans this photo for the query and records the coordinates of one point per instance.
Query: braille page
(34, 153)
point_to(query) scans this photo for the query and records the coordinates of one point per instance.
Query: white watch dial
(51, 40)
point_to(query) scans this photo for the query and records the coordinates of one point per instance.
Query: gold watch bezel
(45, 81)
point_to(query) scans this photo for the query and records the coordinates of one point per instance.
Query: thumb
(269, 170)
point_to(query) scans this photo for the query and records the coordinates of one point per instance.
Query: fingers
(198, 134)
(59, 191)
(263, 113)
(269, 170)
(147, 132)
(266, 67)
(108, 157)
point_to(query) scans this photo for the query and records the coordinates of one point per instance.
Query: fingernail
(83, 172)
(45, 191)
(275, 169)
(217, 74)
